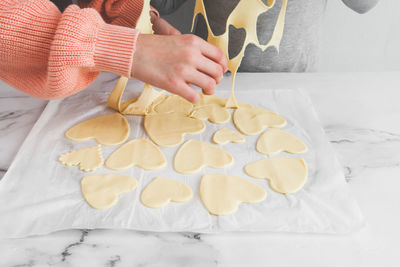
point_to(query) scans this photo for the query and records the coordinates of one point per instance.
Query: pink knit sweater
(49, 55)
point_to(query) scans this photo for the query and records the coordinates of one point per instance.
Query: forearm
(361, 6)
(49, 54)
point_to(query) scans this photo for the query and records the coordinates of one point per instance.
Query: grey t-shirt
(300, 42)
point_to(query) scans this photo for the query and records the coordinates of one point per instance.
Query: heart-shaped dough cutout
(274, 141)
(161, 191)
(194, 155)
(212, 112)
(101, 191)
(169, 129)
(138, 152)
(221, 194)
(109, 130)
(171, 103)
(224, 136)
(88, 159)
(253, 120)
(286, 175)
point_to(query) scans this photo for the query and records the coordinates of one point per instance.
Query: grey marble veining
(360, 115)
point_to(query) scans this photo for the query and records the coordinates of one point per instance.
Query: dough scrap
(161, 191)
(274, 141)
(135, 106)
(101, 191)
(286, 175)
(224, 136)
(253, 120)
(221, 194)
(194, 155)
(169, 129)
(139, 152)
(109, 130)
(170, 104)
(245, 16)
(212, 112)
(88, 159)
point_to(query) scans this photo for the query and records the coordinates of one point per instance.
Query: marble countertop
(360, 114)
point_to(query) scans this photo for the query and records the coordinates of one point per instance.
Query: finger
(215, 54)
(210, 68)
(205, 82)
(184, 90)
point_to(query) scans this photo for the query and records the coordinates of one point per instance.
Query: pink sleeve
(50, 55)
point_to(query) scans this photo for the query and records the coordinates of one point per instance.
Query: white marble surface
(361, 115)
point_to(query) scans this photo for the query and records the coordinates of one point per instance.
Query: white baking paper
(38, 195)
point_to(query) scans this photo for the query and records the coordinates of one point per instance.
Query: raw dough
(161, 191)
(169, 129)
(253, 120)
(135, 106)
(171, 103)
(109, 130)
(286, 175)
(139, 152)
(244, 16)
(194, 155)
(212, 112)
(221, 194)
(88, 159)
(224, 136)
(101, 191)
(274, 141)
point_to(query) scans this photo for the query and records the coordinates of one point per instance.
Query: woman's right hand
(173, 62)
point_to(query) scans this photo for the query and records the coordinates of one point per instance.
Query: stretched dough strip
(242, 18)
(135, 106)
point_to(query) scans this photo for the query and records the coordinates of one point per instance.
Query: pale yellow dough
(138, 152)
(286, 175)
(170, 104)
(221, 194)
(211, 112)
(88, 159)
(161, 191)
(243, 16)
(101, 191)
(194, 155)
(274, 141)
(169, 129)
(224, 136)
(253, 120)
(109, 130)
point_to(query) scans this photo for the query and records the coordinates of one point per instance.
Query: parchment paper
(39, 195)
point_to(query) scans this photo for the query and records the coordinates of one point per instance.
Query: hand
(175, 61)
(161, 26)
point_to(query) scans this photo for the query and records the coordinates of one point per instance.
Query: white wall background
(350, 41)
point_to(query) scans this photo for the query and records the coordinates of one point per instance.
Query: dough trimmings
(243, 16)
